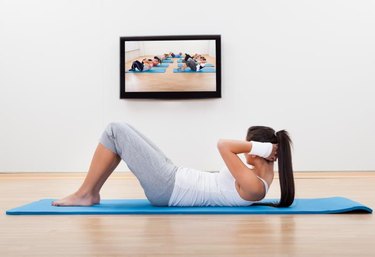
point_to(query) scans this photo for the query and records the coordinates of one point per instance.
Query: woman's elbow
(221, 144)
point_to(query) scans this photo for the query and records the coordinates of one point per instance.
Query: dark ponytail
(284, 156)
(286, 177)
(157, 58)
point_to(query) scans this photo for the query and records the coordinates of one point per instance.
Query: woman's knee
(115, 125)
(116, 128)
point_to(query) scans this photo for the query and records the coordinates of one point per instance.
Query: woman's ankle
(84, 193)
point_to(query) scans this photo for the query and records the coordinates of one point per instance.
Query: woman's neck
(263, 168)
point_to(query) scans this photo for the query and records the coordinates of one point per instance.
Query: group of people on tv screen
(195, 62)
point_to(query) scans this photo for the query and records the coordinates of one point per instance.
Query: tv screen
(186, 66)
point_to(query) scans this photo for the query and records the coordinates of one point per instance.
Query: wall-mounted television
(180, 66)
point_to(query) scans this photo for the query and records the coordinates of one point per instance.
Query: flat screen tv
(181, 66)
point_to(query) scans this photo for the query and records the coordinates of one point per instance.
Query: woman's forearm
(234, 146)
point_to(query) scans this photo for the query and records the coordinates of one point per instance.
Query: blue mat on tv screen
(165, 65)
(329, 205)
(152, 70)
(204, 70)
(176, 56)
(207, 65)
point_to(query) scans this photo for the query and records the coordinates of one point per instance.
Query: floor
(185, 235)
(170, 81)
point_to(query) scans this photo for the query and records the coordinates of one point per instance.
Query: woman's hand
(273, 155)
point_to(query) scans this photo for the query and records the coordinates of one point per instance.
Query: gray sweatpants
(155, 172)
(191, 64)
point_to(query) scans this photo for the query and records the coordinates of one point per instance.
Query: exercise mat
(329, 205)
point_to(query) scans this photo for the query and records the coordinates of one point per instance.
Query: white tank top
(199, 188)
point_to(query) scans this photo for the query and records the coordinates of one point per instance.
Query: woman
(161, 58)
(193, 64)
(173, 55)
(166, 184)
(145, 65)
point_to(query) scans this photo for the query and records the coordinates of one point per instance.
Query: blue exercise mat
(143, 206)
(157, 70)
(167, 61)
(159, 67)
(207, 65)
(204, 70)
(165, 65)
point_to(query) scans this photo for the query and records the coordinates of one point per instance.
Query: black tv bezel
(171, 95)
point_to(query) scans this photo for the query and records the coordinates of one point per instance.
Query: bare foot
(77, 200)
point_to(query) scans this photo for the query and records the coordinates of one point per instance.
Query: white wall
(184, 46)
(309, 69)
(212, 48)
(132, 49)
